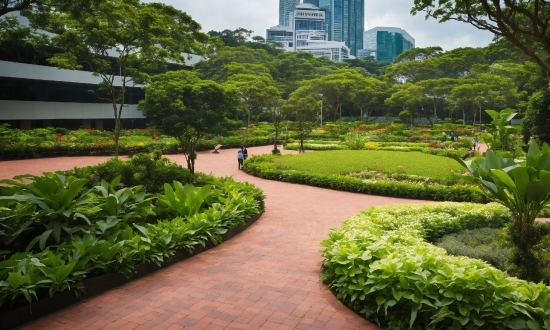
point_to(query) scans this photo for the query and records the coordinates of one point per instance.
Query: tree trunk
(276, 136)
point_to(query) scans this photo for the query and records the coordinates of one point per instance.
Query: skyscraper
(346, 21)
(356, 25)
(285, 8)
(386, 43)
(313, 2)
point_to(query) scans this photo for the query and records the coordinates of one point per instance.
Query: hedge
(263, 167)
(380, 265)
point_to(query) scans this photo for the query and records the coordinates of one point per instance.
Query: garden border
(18, 317)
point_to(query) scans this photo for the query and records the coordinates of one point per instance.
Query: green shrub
(380, 265)
(140, 170)
(488, 244)
(86, 232)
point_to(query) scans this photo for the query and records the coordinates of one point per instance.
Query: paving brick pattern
(265, 278)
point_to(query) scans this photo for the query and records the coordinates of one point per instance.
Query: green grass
(350, 161)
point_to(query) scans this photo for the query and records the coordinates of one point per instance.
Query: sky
(258, 15)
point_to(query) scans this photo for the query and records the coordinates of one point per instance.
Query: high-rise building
(307, 33)
(345, 21)
(285, 8)
(313, 2)
(386, 43)
(327, 5)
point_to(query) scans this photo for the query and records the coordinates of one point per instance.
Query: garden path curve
(265, 278)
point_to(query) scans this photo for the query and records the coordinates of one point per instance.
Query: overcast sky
(258, 15)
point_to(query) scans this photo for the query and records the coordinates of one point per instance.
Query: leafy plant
(499, 138)
(183, 200)
(56, 203)
(524, 188)
(379, 264)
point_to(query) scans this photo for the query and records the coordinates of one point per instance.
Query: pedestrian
(240, 157)
(452, 135)
(474, 142)
(245, 152)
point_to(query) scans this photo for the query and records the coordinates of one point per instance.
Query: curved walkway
(265, 278)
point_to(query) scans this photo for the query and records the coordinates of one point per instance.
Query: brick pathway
(265, 278)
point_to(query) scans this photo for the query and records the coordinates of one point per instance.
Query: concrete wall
(34, 110)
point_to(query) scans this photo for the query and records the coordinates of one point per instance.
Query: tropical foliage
(382, 265)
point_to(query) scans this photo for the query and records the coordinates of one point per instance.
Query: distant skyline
(259, 15)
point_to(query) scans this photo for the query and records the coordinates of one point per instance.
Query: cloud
(258, 15)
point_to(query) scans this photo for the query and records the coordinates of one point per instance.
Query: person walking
(452, 135)
(240, 158)
(474, 142)
(245, 152)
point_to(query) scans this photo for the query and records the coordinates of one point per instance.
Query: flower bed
(269, 167)
(381, 265)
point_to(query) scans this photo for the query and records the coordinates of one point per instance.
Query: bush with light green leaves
(382, 265)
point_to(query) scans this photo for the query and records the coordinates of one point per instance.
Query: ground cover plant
(57, 230)
(381, 263)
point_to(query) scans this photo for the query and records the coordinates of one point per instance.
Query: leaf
(516, 324)
(503, 176)
(43, 238)
(142, 229)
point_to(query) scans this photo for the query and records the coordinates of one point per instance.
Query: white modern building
(36, 95)
(306, 32)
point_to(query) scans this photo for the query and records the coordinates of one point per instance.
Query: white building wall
(34, 110)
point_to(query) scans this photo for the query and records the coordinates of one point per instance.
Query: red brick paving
(265, 278)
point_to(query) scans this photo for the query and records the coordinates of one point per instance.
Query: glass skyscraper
(285, 8)
(387, 42)
(313, 2)
(345, 21)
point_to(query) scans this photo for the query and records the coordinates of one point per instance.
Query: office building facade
(307, 33)
(285, 8)
(34, 95)
(386, 43)
(345, 21)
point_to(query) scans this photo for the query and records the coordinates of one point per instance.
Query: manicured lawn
(350, 161)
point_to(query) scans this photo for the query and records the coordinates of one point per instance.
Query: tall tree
(368, 94)
(304, 104)
(255, 90)
(186, 107)
(411, 97)
(525, 23)
(120, 41)
(437, 90)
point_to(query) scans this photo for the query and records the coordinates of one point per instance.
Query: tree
(8, 6)
(525, 23)
(214, 66)
(418, 54)
(17, 40)
(256, 90)
(336, 87)
(186, 107)
(370, 64)
(410, 97)
(368, 94)
(437, 90)
(120, 41)
(536, 123)
(304, 103)
(278, 113)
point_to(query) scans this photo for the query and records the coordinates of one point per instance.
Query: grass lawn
(350, 161)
